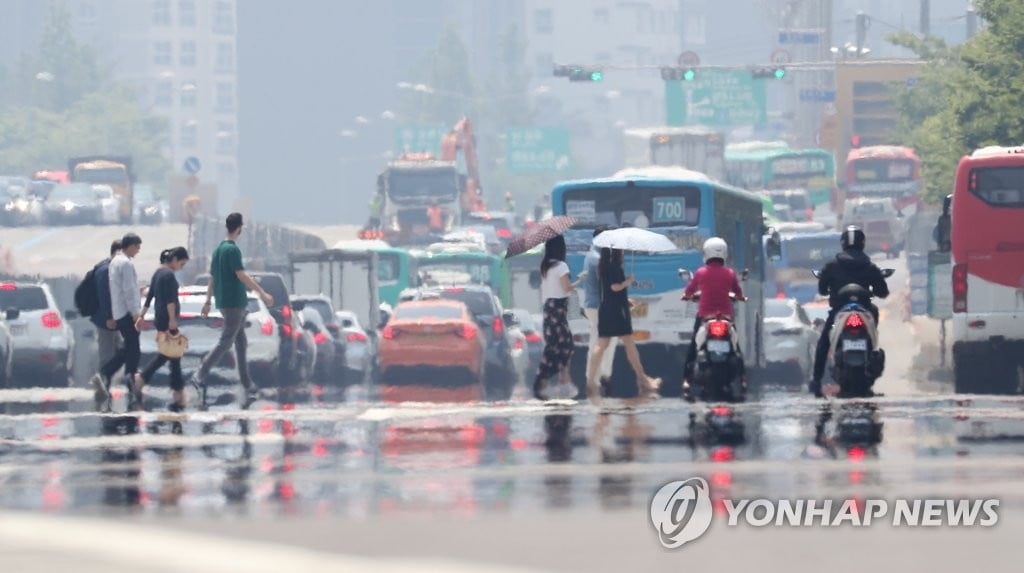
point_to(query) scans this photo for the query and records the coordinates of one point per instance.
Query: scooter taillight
(854, 321)
(718, 329)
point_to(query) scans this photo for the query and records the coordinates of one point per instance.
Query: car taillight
(720, 411)
(718, 329)
(388, 333)
(51, 320)
(267, 327)
(356, 337)
(286, 312)
(780, 294)
(286, 329)
(960, 288)
(8, 286)
(498, 325)
(854, 321)
(519, 344)
(320, 338)
(455, 289)
(467, 331)
(504, 233)
(810, 214)
(534, 337)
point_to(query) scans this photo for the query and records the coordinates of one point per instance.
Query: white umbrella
(634, 239)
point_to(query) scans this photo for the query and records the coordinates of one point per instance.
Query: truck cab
(882, 222)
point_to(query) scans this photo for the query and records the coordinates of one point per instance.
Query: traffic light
(676, 74)
(579, 73)
(854, 141)
(774, 72)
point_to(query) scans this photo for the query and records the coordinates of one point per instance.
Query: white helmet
(715, 248)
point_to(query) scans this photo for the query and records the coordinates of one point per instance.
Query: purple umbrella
(540, 233)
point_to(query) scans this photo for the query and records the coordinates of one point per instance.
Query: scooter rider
(714, 281)
(852, 266)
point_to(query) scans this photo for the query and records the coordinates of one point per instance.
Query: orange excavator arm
(461, 138)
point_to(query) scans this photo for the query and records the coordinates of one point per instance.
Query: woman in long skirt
(555, 288)
(614, 320)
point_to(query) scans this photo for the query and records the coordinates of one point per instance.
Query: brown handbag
(171, 346)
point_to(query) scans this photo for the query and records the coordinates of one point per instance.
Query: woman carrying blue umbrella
(555, 288)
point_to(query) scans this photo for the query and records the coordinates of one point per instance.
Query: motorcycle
(855, 359)
(719, 374)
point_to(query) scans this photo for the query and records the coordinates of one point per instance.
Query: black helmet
(854, 293)
(853, 237)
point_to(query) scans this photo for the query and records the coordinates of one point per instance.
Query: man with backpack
(92, 298)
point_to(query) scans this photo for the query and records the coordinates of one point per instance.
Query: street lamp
(387, 114)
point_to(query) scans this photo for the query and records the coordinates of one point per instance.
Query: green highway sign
(716, 98)
(537, 150)
(419, 139)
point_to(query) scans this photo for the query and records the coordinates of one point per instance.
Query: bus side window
(739, 246)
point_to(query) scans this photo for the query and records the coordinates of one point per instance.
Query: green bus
(772, 167)
(446, 264)
(394, 266)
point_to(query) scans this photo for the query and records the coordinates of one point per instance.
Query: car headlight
(22, 205)
(69, 206)
(8, 206)
(151, 210)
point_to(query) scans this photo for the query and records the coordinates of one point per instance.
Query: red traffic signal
(855, 141)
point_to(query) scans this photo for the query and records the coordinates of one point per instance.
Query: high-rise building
(180, 54)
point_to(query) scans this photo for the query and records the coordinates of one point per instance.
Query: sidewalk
(928, 368)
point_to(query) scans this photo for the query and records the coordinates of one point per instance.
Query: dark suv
(500, 371)
(294, 365)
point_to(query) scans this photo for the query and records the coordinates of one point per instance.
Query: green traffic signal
(596, 76)
(689, 75)
(780, 73)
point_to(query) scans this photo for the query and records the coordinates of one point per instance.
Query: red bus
(987, 235)
(884, 171)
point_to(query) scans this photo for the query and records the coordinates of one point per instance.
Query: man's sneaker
(101, 387)
(249, 396)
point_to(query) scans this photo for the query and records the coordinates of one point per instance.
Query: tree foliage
(968, 97)
(59, 102)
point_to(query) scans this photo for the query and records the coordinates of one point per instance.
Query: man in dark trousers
(107, 337)
(126, 307)
(852, 266)
(228, 283)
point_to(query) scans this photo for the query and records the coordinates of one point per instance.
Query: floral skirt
(558, 344)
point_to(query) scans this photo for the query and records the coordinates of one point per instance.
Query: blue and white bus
(687, 207)
(789, 276)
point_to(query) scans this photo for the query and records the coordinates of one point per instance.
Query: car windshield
(479, 303)
(26, 298)
(445, 311)
(322, 307)
(777, 308)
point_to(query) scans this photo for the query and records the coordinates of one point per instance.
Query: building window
(223, 18)
(225, 96)
(601, 15)
(163, 94)
(161, 12)
(162, 53)
(543, 21)
(187, 13)
(189, 133)
(189, 95)
(225, 58)
(545, 64)
(225, 137)
(188, 54)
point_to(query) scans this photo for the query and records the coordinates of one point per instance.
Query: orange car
(432, 334)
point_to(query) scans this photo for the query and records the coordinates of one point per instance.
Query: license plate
(855, 344)
(719, 346)
(18, 330)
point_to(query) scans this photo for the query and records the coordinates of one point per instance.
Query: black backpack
(87, 299)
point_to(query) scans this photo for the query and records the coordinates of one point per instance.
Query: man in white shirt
(126, 306)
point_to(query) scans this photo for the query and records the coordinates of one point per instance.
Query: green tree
(968, 97)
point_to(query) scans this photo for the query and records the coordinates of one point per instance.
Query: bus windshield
(879, 170)
(101, 175)
(454, 271)
(438, 184)
(638, 206)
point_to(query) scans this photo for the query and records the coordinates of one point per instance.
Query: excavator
(417, 183)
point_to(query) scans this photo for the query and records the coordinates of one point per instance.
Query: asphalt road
(313, 481)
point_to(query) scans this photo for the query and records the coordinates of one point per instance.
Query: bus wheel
(965, 370)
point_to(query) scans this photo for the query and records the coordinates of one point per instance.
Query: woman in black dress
(614, 321)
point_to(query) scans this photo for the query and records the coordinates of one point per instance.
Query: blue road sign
(192, 165)
(798, 37)
(822, 96)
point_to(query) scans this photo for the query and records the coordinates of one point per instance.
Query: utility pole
(926, 17)
(862, 32)
(972, 21)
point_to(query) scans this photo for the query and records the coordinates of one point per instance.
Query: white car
(110, 204)
(790, 339)
(42, 340)
(262, 352)
(360, 349)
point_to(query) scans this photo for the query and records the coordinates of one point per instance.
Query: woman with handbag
(171, 344)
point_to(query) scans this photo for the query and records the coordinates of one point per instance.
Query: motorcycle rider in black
(852, 266)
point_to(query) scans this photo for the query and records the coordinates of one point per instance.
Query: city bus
(698, 148)
(394, 266)
(688, 208)
(987, 215)
(788, 275)
(770, 167)
(453, 264)
(884, 171)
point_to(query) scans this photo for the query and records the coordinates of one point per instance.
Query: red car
(425, 336)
